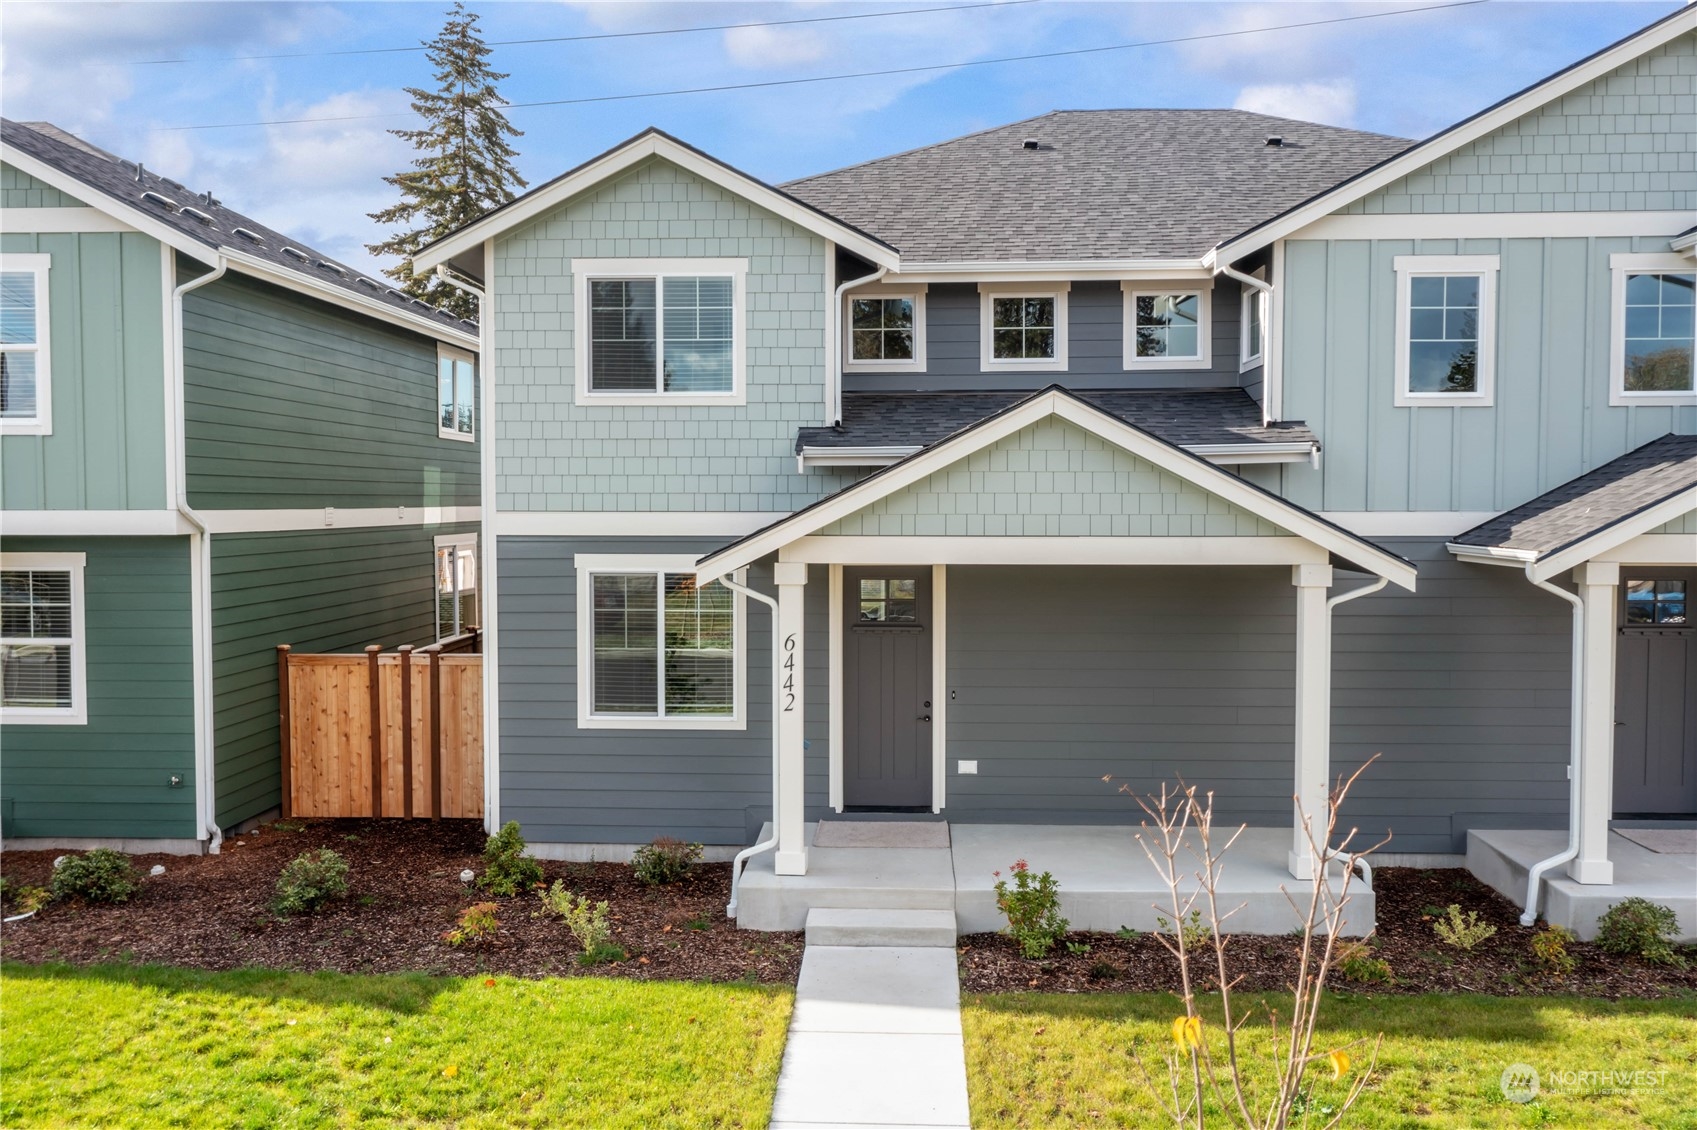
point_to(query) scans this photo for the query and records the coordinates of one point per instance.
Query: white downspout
(1345, 598)
(834, 348)
(1265, 288)
(200, 548)
(748, 853)
(1575, 735)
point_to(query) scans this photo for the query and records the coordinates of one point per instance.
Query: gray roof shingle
(919, 419)
(1588, 505)
(125, 182)
(1102, 184)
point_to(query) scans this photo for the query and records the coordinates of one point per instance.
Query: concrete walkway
(875, 1041)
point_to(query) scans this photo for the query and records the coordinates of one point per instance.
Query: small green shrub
(1462, 932)
(587, 921)
(1357, 962)
(1033, 909)
(28, 900)
(477, 924)
(1195, 932)
(1549, 950)
(103, 875)
(506, 869)
(666, 860)
(310, 880)
(1637, 927)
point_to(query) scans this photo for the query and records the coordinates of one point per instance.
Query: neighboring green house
(213, 440)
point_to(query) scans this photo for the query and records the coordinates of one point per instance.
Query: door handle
(925, 717)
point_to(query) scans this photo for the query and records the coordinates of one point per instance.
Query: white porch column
(1599, 588)
(1313, 709)
(789, 820)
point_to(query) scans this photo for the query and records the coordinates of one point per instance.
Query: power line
(864, 74)
(582, 38)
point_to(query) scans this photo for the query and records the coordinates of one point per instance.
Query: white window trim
(41, 424)
(458, 542)
(443, 351)
(1619, 267)
(1407, 268)
(987, 363)
(1128, 330)
(587, 564)
(77, 714)
(583, 270)
(1258, 301)
(914, 292)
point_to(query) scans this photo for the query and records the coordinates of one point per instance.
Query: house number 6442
(789, 673)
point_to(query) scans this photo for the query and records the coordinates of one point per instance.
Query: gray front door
(887, 688)
(1656, 695)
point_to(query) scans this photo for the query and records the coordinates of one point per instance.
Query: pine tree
(466, 164)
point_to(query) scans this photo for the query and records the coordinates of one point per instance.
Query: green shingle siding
(292, 403)
(1625, 142)
(1053, 479)
(318, 591)
(106, 324)
(110, 777)
(20, 190)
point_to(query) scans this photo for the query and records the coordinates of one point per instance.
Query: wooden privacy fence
(381, 735)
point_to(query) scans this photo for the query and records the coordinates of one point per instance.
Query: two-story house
(213, 440)
(1130, 443)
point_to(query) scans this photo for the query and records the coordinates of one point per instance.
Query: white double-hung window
(456, 394)
(660, 331)
(26, 371)
(1654, 309)
(1446, 338)
(655, 649)
(43, 648)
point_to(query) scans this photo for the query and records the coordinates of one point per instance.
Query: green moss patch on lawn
(119, 1046)
(1054, 1060)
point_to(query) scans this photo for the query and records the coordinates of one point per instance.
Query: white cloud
(771, 47)
(1332, 103)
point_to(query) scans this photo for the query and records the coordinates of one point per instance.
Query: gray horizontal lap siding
(569, 785)
(1095, 346)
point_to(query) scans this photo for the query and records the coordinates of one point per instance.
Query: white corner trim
(988, 292)
(586, 564)
(40, 266)
(326, 517)
(1621, 265)
(586, 270)
(939, 685)
(1130, 361)
(834, 685)
(488, 494)
(1485, 267)
(915, 292)
(55, 220)
(633, 523)
(1495, 225)
(77, 713)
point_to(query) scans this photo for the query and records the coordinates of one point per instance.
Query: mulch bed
(214, 912)
(1408, 901)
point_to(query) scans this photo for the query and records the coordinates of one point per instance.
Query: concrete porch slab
(1502, 858)
(859, 878)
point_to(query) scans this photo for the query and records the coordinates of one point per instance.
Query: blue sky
(77, 64)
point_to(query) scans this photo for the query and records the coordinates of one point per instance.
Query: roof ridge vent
(1031, 143)
(158, 199)
(296, 253)
(197, 214)
(326, 265)
(1275, 141)
(246, 233)
(372, 283)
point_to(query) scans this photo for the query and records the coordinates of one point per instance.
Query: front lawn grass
(121, 1046)
(1063, 1060)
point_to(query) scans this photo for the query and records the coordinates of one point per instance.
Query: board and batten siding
(1551, 420)
(294, 403)
(554, 454)
(1623, 142)
(111, 777)
(1052, 479)
(20, 190)
(106, 326)
(317, 591)
(569, 785)
(1684, 524)
(1095, 345)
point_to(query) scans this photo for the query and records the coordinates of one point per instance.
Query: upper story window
(456, 585)
(1022, 326)
(667, 330)
(884, 329)
(1166, 328)
(43, 649)
(1655, 308)
(25, 364)
(1252, 316)
(1446, 329)
(456, 394)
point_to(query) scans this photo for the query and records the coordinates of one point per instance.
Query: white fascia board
(1424, 153)
(1494, 225)
(60, 220)
(1486, 555)
(874, 550)
(854, 456)
(300, 284)
(1053, 270)
(1055, 403)
(1603, 541)
(1686, 242)
(99, 200)
(1225, 454)
(612, 164)
(93, 523)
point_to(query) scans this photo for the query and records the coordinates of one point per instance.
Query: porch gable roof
(1243, 500)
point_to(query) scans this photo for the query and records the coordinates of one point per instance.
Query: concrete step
(831, 926)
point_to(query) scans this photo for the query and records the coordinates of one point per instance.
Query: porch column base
(1592, 872)
(1301, 864)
